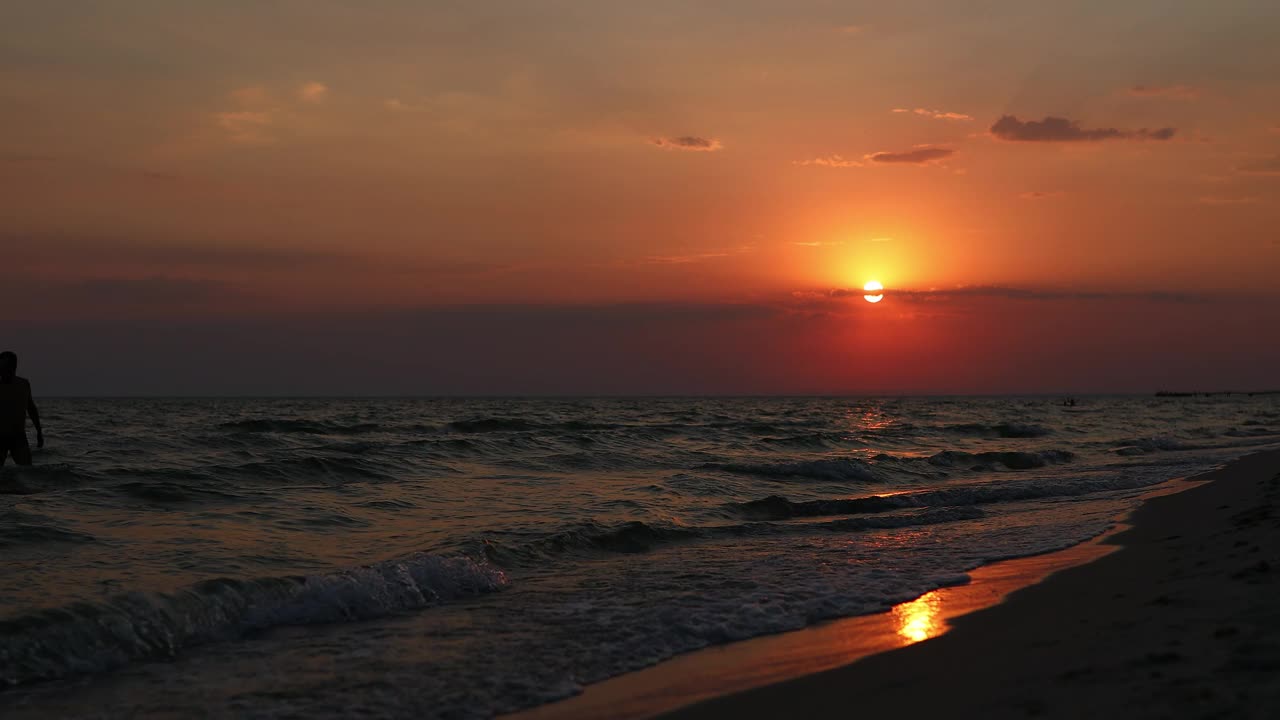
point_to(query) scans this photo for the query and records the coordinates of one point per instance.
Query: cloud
(819, 243)
(688, 142)
(919, 156)
(1058, 129)
(155, 257)
(1004, 292)
(1226, 200)
(835, 161)
(696, 257)
(1039, 194)
(250, 127)
(313, 92)
(935, 114)
(1033, 293)
(394, 104)
(1172, 92)
(1263, 166)
(250, 96)
(143, 291)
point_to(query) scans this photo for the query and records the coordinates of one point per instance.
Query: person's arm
(34, 413)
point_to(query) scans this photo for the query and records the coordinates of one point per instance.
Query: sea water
(459, 558)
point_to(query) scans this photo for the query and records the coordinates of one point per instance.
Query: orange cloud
(1222, 200)
(251, 127)
(1039, 194)
(835, 161)
(935, 114)
(1172, 92)
(313, 92)
(1264, 166)
(695, 257)
(1058, 129)
(919, 156)
(250, 96)
(688, 142)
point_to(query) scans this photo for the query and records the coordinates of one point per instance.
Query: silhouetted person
(15, 405)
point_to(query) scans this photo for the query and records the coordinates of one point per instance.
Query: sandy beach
(1182, 621)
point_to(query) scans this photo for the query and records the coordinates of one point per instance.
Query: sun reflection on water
(919, 619)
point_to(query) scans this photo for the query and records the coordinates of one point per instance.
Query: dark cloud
(918, 156)
(1173, 92)
(143, 291)
(64, 253)
(1264, 166)
(1058, 129)
(477, 350)
(688, 142)
(797, 346)
(1020, 293)
(1039, 194)
(60, 248)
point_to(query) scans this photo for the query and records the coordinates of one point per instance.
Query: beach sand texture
(1183, 621)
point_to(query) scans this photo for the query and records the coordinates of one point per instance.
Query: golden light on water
(919, 619)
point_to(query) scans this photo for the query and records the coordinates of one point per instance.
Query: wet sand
(1176, 616)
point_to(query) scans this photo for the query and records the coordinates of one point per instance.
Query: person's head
(8, 363)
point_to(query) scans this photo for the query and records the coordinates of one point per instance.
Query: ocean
(459, 558)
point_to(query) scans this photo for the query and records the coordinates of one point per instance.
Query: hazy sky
(312, 196)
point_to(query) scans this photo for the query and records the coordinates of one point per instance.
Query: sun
(874, 290)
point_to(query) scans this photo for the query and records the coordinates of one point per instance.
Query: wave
(492, 424)
(21, 533)
(776, 507)
(93, 637)
(1159, 443)
(307, 427)
(34, 479)
(829, 469)
(817, 440)
(170, 492)
(506, 424)
(846, 469)
(630, 537)
(1013, 460)
(296, 469)
(640, 537)
(1002, 430)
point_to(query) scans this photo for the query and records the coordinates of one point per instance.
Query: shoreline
(833, 666)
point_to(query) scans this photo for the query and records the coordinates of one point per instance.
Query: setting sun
(874, 291)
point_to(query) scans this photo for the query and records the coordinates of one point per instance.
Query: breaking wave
(92, 637)
(776, 507)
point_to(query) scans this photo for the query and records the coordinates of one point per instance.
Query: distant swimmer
(15, 405)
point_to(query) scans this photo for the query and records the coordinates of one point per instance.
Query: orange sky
(221, 162)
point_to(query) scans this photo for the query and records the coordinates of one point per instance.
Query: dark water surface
(457, 558)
